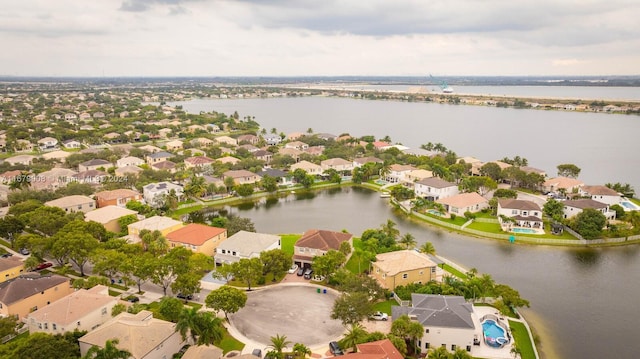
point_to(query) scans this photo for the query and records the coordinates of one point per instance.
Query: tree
(203, 327)
(227, 299)
(554, 209)
(461, 353)
(308, 181)
(333, 175)
(245, 270)
(139, 268)
(196, 187)
(235, 224)
(187, 283)
(167, 268)
(568, 170)
(428, 248)
(108, 262)
(390, 229)
(327, 264)
(278, 344)
(170, 308)
(408, 241)
(403, 327)
(8, 325)
(345, 248)
(491, 170)
(110, 351)
(301, 350)
(355, 334)
(10, 227)
(269, 184)
(41, 345)
(275, 261)
(78, 245)
(351, 308)
(154, 242)
(589, 223)
(438, 353)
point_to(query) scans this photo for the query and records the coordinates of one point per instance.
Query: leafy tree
(118, 308)
(428, 248)
(170, 308)
(505, 193)
(124, 222)
(351, 308)
(553, 209)
(187, 283)
(167, 268)
(110, 351)
(10, 227)
(461, 353)
(8, 325)
(46, 220)
(108, 262)
(438, 353)
(76, 244)
(245, 270)
(22, 207)
(389, 229)
(245, 189)
(154, 242)
(403, 327)
(345, 248)
(308, 181)
(140, 268)
(491, 170)
(480, 184)
(408, 241)
(235, 224)
(275, 261)
(227, 299)
(327, 264)
(402, 193)
(301, 350)
(510, 297)
(269, 184)
(589, 223)
(196, 186)
(42, 345)
(355, 334)
(203, 327)
(278, 344)
(333, 175)
(351, 283)
(568, 170)
(399, 343)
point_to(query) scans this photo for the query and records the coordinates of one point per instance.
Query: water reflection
(271, 202)
(245, 206)
(305, 195)
(587, 257)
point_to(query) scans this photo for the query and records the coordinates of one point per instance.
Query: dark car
(44, 265)
(257, 352)
(335, 349)
(307, 273)
(300, 271)
(6, 255)
(185, 297)
(132, 299)
(24, 251)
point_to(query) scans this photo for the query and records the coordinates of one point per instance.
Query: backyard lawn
(523, 343)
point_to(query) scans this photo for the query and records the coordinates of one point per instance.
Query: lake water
(604, 146)
(583, 301)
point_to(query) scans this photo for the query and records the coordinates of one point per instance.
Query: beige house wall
(90, 321)
(11, 273)
(163, 350)
(39, 300)
(422, 275)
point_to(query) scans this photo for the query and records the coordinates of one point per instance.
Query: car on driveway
(335, 349)
(379, 316)
(44, 265)
(24, 251)
(307, 273)
(257, 352)
(6, 255)
(300, 272)
(293, 269)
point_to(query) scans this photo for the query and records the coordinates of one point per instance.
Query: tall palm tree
(408, 241)
(438, 353)
(187, 323)
(355, 335)
(460, 353)
(278, 344)
(428, 248)
(390, 229)
(110, 351)
(301, 350)
(209, 328)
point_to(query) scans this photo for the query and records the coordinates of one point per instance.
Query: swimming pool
(629, 206)
(435, 212)
(494, 335)
(524, 230)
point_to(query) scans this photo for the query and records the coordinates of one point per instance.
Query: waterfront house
(82, 310)
(361, 161)
(73, 203)
(245, 245)
(94, 164)
(404, 267)
(448, 321)
(558, 184)
(398, 172)
(163, 224)
(464, 202)
(30, 291)
(10, 268)
(242, 176)
(338, 164)
(525, 213)
(108, 217)
(154, 193)
(601, 194)
(310, 168)
(283, 178)
(317, 242)
(142, 335)
(574, 207)
(415, 176)
(435, 188)
(198, 238)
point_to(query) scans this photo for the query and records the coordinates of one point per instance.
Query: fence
(8, 337)
(402, 303)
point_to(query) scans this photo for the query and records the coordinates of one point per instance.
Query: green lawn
(454, 271)
(385, 306)
(357, 264)
(287, 242)
(229, 343)
(523, 342)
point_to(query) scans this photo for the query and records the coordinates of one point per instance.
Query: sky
(109, 38)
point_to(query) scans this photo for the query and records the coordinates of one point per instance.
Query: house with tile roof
(291, 152)
(129, 161)
(242, 176)
(91, 177)
(404, 267)
(30, 291)
(48, 144)
(309, 167)
(71, 144)
(205, 351)
(164, 166)
(575, 206)
(398, 172)
(157, 157)
(56, 155)
(154, 193)
(245, 245)
(10, 268)
(566, 184)
(416, 175)
(226, 140)
(283, 178)
(200, 162)
(174, 145)
(198, 238)
(297, 145)
(83, 310)
(108, 216)
(435, 188)
(602, 194)
(263, 155)
(380, 349)
(128, 171)
(525, 213)
(163, 224)
(338, 164)
(117, 197)
(448, 321)
(142, 335)
(272, 139)
(464, 202)
(361, 161)
(317, 242)
(53, 179)
(73, 203)
(94, 164)
(25, 160)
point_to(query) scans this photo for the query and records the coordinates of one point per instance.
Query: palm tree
(438, 353)
(278, 344)
(517, 353)
(428, 248)
(196, 186)
(390, 229)
(110, 351)
(460, 353)
(187, 322)
(408, 241)
(355, 335)
(203, 327)
(301, 350)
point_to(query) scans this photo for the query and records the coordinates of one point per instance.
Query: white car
(379, 316)
(293, 269)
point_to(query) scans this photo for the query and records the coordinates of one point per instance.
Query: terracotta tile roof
(322, 239)
(383, 348)
(199, 160)
(116, 193)
(393, 263)
(194, 234)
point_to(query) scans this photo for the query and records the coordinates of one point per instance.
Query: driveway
(297, 311)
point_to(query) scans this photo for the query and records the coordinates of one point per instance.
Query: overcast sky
(319, 37)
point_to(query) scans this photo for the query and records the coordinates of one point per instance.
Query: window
(421, 272)
(444, 346)
(39, 325)
(453, 347)
(54, 326)
(223, 251)
(426, 345)
(468, 348)
(234, 253)
(78, 323)
(426, 330)
(46, 325)
(405, 275)
(525, 213)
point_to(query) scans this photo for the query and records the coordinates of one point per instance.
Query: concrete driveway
(297, 311)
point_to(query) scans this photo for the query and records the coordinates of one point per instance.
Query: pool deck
(483, 350)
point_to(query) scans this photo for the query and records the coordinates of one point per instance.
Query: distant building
(74, 203)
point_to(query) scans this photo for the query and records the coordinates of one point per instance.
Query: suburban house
(128, 171)
(317, 242)
(154, 193)
(415, 176)
(314, 150)
(263, 155)
(291, 152)
(10, 268)
(575, 206)
(381, 349)
(338, 164)
(566, 184)
(251, 139)
(228, 159)
(94, 164)
(226, 140)
(435, 188)
(90, 177)
(397, 173)
(272, 139)
(294, 136)
(53, 179)
(56, 155)
(164, 166)
(283, 178)
(158, 157)
(245, 245)
(30, 291)
(310, 168)
(526, 213)
(163, 224)
(129, 161)
(142, 335)
(202, 142)
(151, 148)
(174, 145)
(242, 176)
(117, 197)
(47, 144)
(448, 321)
(298, 145)
(361, 161)
(108, 216)
(404, 267)
(201, 162)
(464, 202)
(198, 238)
(476, 166)
(25, 160)
(206, 351)
(74, 203)
(602, 194)
(71, 144)
(84, 309)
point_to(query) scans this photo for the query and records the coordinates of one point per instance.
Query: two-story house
(162, 224)
(154, 193)
(108, 217)
(601, 194)
(397, 173)
(245, 245)
(198, 238)
(158, 157)
(10, 268)
(309, 167)
(317, 242)
(73, 203)
(435, 188)
(404, 267)
(94, 164)
(242, 176)
(574, 207)
(527, 214)
(129, 161)
(338, 164)
(117, 197)
(30, 291)
(48, 144)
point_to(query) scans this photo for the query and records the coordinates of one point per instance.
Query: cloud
(565, 62)
(144, 5)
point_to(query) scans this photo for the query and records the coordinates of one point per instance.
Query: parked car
(132, 299)
(335, 349)
(307, 273)
(379, 316)
(44, 265)
(257, 352)
(6, 255)
(300, 271)
(183, 350)
(293, 269)
(185, 297)
(24, 251)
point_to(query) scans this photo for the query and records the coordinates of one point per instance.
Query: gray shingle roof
(438, 311)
